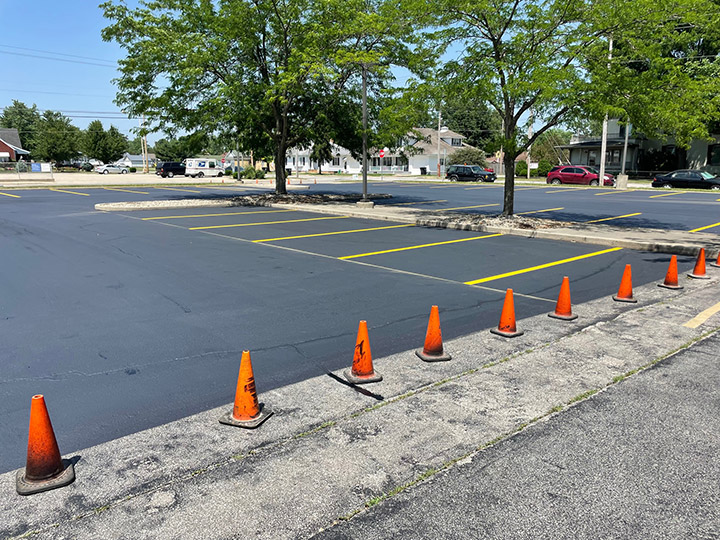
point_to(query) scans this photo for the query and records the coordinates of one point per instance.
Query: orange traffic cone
(625, 292)
(433, 349)
(699, 271)
(507, 327)
(563, 308)
(671, 278)
(246, 412)
(362, 371)
(716, 263)
(44, 470)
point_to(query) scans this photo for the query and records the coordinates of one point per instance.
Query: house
(136, 160)
(645, 156)
(417, 154)
(10, 147)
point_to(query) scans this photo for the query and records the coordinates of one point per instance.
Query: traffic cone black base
(628, 300)
(563, 317)
(674, 287)
(229, 420)
(28, 487)
(432, 357)
(507, 334)
(375, 377)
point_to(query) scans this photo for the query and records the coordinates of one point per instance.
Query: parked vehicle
(87, 167)
(578, 174)
(687, 178)
(469, 173)
(201, 167)
(107, 169)
(170, 169)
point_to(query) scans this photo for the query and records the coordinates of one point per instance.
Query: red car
(578, 174)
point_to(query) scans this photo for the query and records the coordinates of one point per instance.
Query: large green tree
(256, 69)
(478, 122)
(24, 119)
(56, 138)
(106, 146)
(542, 62)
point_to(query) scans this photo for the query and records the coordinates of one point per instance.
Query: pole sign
(382, 153)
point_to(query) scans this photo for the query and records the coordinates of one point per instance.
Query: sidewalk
(332, 450)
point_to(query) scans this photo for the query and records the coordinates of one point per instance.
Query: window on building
(387, 161)
(455, 142)
(336, 161)
(714, 155)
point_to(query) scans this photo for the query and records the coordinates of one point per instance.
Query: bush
(133, 169)
(260, 174)
(235, 175)
(469, 156)
(520, 168)
(249, 173)
(544, 167)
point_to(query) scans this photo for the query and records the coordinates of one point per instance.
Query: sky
(52, 55)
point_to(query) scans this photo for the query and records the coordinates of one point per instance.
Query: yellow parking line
(525, 188)
(706, 227)
(220, 214)
(666, 194)
(540, 267)
(127, 190)
(332, 233)
(71, 192)
(538, 211)
(484, 186)
(616, 191)
(702, 317)
(462, 207)
(178, 189)
(420, 202)
(9, 195)
(567, 190)
(616, 217)
(417, 247)
(264, 223)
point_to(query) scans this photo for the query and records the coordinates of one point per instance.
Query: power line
(53, 93)
(59, 59)
(55, 53)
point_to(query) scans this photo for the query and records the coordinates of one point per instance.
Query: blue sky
(53, 79)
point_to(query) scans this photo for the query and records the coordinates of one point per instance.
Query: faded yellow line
(264, 223)
(417, 247)
(706, 227)
(485, 186)
(525, 188)
(666, 194)
(421, 202)
(462, 207)
(616, 217)
(540, 267)
(220, 214)
(538, 211)
(702, 317)
(71, 192)
(127, 190)
(332, 233)
(616, 191)
(9, 195)
(567, 189)
(177, 189)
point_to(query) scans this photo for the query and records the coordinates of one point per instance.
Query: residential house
(645, 156)
(10, 147)
(136, 160)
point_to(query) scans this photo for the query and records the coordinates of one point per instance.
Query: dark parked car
(170, 169)
(469, 173)
(578, 174)
(687, 178)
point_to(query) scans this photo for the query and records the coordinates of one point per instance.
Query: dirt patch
(515, 222)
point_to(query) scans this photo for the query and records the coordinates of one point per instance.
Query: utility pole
(530, 134)
(603, 143)
(364, 138)
(143, 145)
(624, 154)
(438, 142)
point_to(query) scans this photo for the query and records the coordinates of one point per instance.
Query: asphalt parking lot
(127, 321)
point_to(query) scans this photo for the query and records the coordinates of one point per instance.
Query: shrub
(260, 174)
(133, 169)
(249, 173)
(471, 156)
(520, 168)
(235, 175)
(544, 167)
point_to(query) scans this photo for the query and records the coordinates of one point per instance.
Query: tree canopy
(106, 146)
(56, 139)
(23, 118)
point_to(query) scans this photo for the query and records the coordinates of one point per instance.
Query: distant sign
(382, 153)
(35, 167)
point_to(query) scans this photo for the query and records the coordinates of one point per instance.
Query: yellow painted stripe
(524, 188)
(71, 192)
(178, 189)
(420, 202)
(418, 247)
(538, 211)
(706, 227)
(616, 191)
(540, 267)
(567, 190)
(9, 195)
(667, 194)
(265, 223)
(439, 187)
(127, 190)
(332, 233)
(616, 217)
(485, 186)
(462, 207)
(220, 214)
(702, 317)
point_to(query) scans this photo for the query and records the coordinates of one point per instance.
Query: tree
(24, 119)
(259, 70)
(106, 146)
(545, 147)
(471, 156)
(540, 63)
(183, 147)
(134, 146)
(321, 152)
(56, 139)
(474, 119)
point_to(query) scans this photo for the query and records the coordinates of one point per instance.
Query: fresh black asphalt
(125, 323)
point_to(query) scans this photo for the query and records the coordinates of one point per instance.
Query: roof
(137, 157)
(11, 137)
(428, 143)
(597, 143)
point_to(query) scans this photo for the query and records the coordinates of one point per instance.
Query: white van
(200, 167)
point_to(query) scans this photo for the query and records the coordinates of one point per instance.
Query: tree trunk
(280, 157)
(509, 198)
